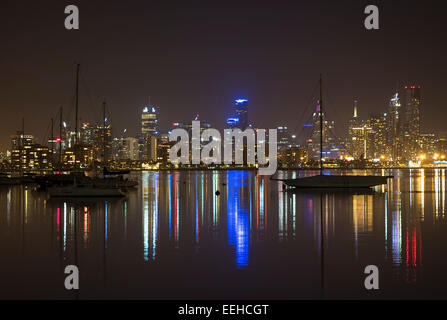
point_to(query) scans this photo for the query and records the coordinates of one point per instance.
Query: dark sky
(197, 56)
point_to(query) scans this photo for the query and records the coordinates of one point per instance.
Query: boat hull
(84, 192)
(330, 181)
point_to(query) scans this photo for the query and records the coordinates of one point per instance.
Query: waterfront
(173, 237)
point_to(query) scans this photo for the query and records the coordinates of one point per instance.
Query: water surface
(174, 238)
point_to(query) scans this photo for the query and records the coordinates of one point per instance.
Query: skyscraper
(330, 149)
(149, 121)
(412, 128)
(356, 134)
(395, 126)
(103, 142)
(87, 133)
(284, 138)
(149, 129)
(377, 139)
(239, 119)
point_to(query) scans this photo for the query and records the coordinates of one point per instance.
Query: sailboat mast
(104, 132)
(321, 125)
(77, 101)
(60, 136)
(52, 140)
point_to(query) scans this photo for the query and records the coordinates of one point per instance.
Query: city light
(232, 120)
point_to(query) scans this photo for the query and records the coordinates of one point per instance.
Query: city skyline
(223, 156)
(262, 62)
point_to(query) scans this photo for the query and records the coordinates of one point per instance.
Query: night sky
(195, 57)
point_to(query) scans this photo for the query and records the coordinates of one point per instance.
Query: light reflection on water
(177, 234)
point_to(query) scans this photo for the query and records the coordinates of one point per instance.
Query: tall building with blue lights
(239, 119)
(149, 133)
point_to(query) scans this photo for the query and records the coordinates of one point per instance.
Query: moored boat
(81, 190)
(333, 181)
(336, 181)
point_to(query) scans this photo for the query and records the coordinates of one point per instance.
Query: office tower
(149, 129)
(241, 108)
(80, 156)
(26, 155)
(428, 143)
(21, 140)
(377, 138)
(103, 142)
(395, 127)
(359, 146)
(284, 137)
(87, 133)
(153, 145)
(131, 148)
(412, 121)
(239, 119)
(356, 133)
(149, 121)
(330, 148)
(293, 157)
(128, 149)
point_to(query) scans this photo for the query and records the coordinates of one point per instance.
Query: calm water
(174, 238)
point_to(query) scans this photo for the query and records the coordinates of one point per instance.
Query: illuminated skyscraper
(412, 128)
(149, 121)
(240, 117)
(21, 140)
(330, 147)
(395, 126)
(356, 135)
(149, 129)
(377, 139)
(102, 142)
(87, 133)
(284, 138)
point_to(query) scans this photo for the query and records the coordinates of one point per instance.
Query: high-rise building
(356, 133)
(330, 147)
(87, 133)
(412, 128)
(428, 143)
(26, 155)
(21, 140)
(377, 146)
(293, 157)
(394, 128)
(103, 142)
(80, 155)
(284, 138)
(30, 156)
(129, 149)
(241, 107)
(149, 129)
(153, 145)
(239, 119)
(149, 121)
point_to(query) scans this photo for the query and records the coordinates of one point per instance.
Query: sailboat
(323, 181)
